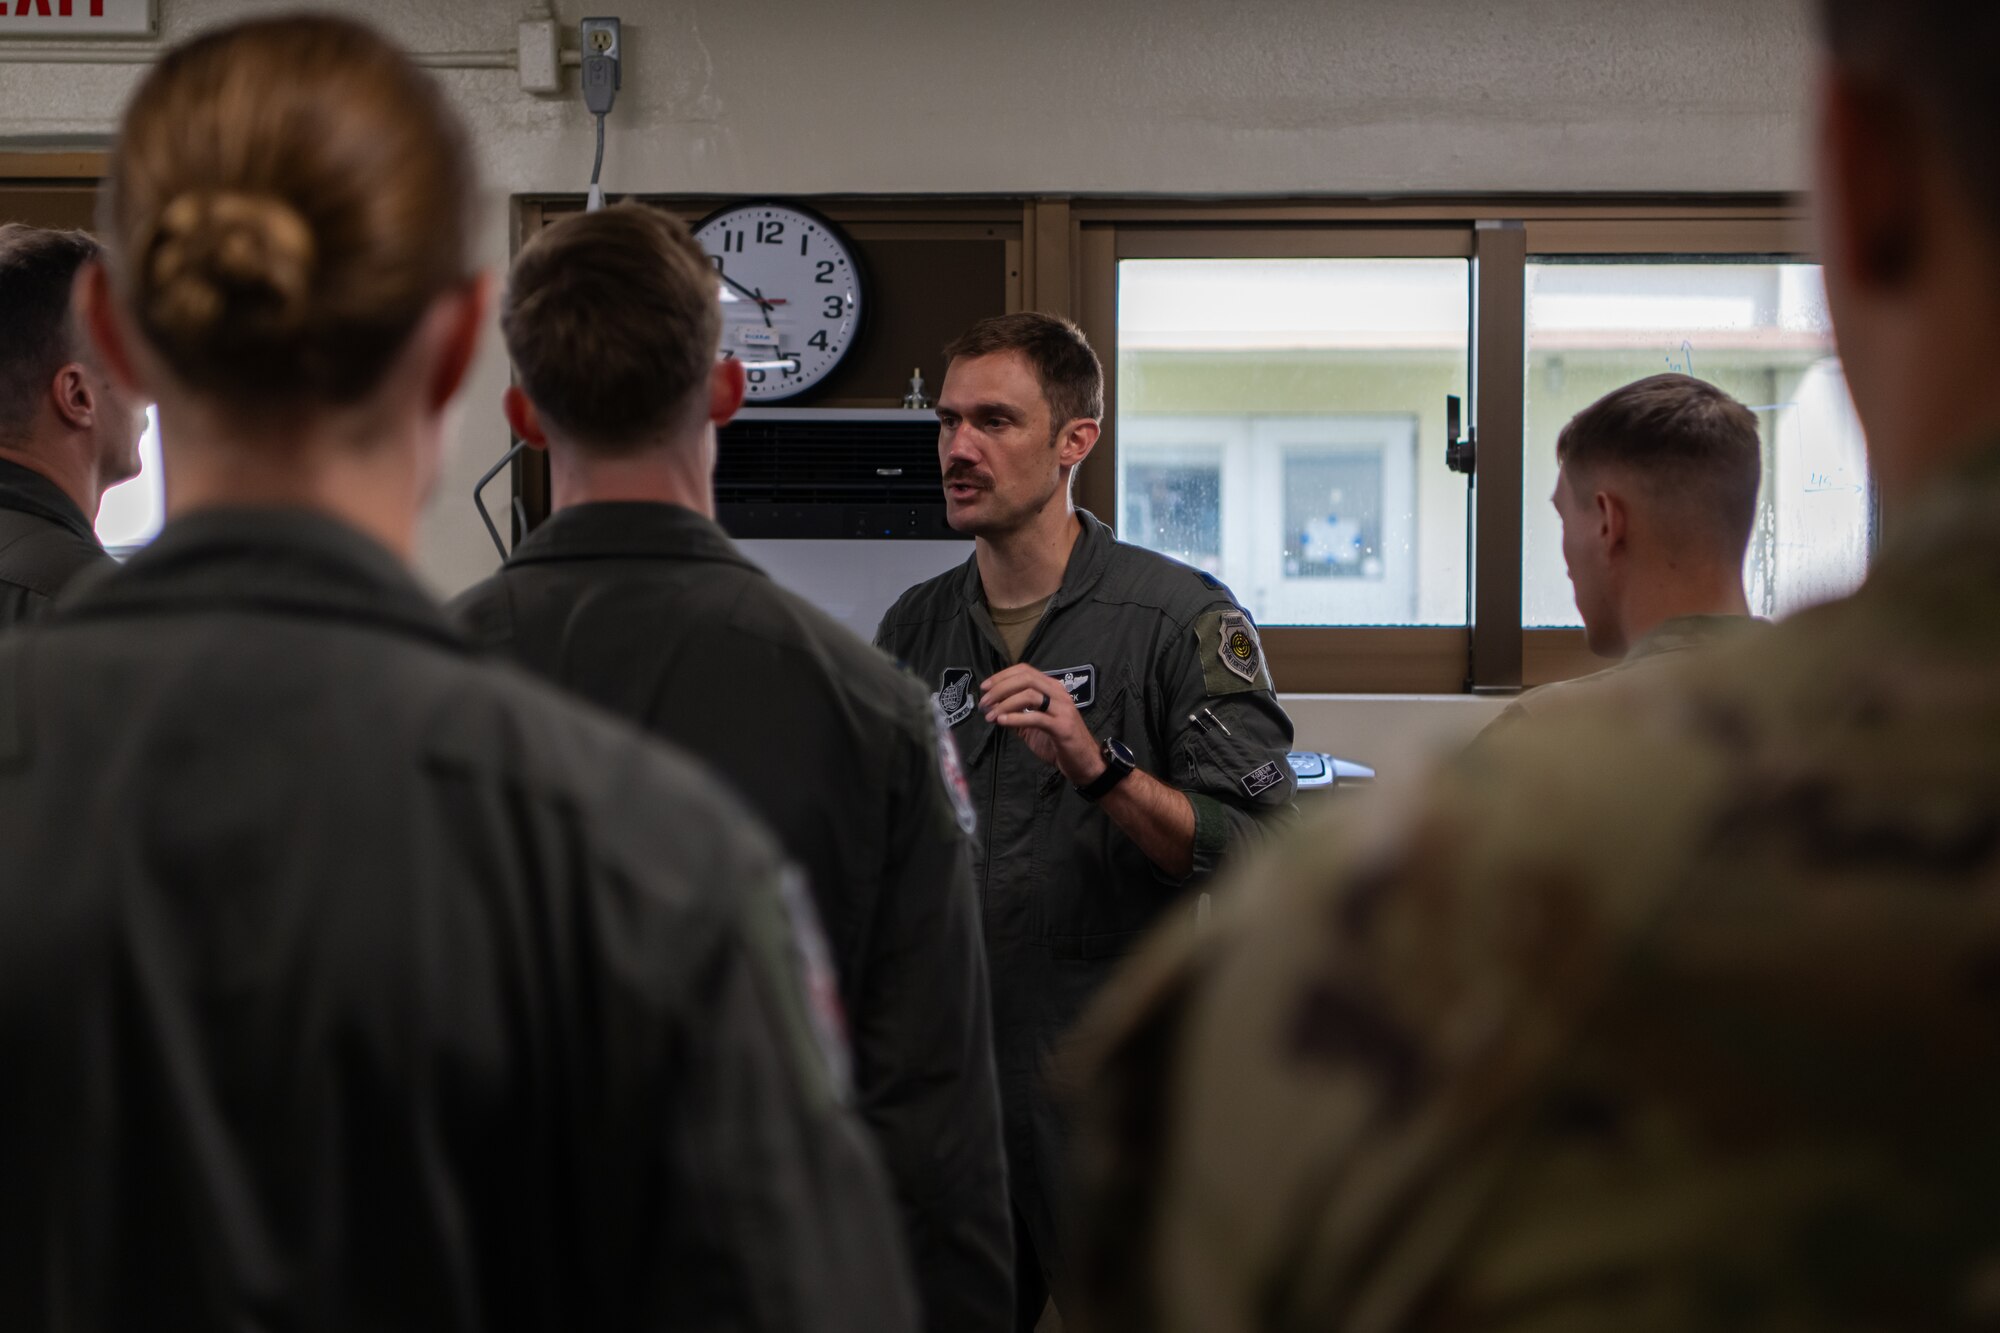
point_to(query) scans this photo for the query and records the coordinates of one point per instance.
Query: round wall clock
(791, 294)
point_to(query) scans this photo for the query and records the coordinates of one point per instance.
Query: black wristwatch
(1119, 761)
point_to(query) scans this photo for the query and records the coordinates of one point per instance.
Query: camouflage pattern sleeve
(1560, 1052)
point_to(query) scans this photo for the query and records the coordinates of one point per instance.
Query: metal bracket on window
(1459, 454)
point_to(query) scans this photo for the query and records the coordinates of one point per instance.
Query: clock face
(791, 295)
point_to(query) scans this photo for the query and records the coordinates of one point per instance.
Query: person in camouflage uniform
(1682, 1018)
(1657, 497)
(1657, 493)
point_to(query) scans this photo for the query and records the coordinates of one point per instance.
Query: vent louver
(856, 474)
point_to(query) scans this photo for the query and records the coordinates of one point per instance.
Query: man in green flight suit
(68, 433)
(1679, 1012)
(1116, 717)
(631, 596)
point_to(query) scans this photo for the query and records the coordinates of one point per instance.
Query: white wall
(1395, 734)
(1075, 96)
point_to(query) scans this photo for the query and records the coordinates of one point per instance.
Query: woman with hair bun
(346, 981)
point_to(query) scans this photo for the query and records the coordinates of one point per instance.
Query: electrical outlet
(600, 37)
(603, 69)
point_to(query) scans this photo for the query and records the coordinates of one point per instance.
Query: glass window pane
(1333, 516)
(133, 510)
(1176, 508)
(1758, 330)
(1281, 424)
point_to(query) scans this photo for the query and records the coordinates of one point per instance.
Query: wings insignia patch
(1080, 681)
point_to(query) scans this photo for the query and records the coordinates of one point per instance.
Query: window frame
(1358, 659)
(1068, 248)
(1075, 250)
(1781, 234)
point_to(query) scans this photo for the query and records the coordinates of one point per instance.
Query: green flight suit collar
(627, 529)
(1087, 562)
(29, 492)
(288, 561)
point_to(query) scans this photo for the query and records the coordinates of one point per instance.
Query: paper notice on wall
(77, 18)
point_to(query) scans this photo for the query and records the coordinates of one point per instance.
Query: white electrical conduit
(58, 53)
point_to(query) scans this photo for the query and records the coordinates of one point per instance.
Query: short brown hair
(613, 319)
(38, 336)
(1938, 55)
(1072, 379)
(1689, 443)
(286, 198)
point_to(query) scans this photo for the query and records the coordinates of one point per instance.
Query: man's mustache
(965, 476)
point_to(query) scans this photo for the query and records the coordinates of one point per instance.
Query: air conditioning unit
(844, 506)
(831, 473)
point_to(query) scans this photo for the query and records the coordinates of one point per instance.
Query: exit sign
(77, 18)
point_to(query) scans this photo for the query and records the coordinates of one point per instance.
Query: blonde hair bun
(286, 198)
(219, 256)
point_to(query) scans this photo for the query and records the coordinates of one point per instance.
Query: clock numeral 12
(770, 233)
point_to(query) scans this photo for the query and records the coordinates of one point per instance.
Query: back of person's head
(1071, 377)
(38, 334)
(286, 200)
(1935, 57)
(613, 320)
(1689, 452)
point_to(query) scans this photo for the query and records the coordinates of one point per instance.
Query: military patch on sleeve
(954, 695)
(953, 773)
(821, 983)
(1260, 780)
(1231, 657)
(1238, 649)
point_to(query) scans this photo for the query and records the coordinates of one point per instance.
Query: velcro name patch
(1081, 682)
(1260, 780)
